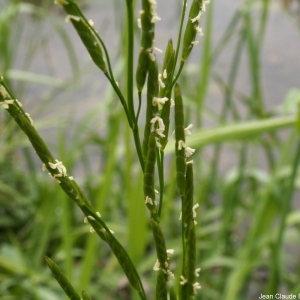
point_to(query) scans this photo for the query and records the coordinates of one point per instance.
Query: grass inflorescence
(168, 219)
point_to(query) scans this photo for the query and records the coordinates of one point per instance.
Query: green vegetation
(132, 211)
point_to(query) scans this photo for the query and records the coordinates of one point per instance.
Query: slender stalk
(130, 54)
(130, 75)
(137, 141)
(179, 38)
(63, 281)
(160, 168)
(67, 183)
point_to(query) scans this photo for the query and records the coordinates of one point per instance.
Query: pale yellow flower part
(159, 102)
(181, 145)
(183, 280)
(161, 126)
(148, 200)
(187, 130)
(199, 30)
(156, 266)
(58, 165)
(196, 287)
(164, 74)
(6, 103)
(189, 151)
(170, 251)
(160, 82)
(197, 271)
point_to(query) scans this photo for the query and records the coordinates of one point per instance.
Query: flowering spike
(192, 28)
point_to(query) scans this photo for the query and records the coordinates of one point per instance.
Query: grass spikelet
(152, 91)
(62, 280)
(180, 141)
(189, 236)
(86, 32)
(191, 29)
(148, 17)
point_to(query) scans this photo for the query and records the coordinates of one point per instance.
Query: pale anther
(170, 251)
(160, 81)
(189, 151)
(164, 74)
(161, 126)
(58, 165)
(183, 280)
(197, 271)
(197, 18)
(196, 287)
(205, 2)
(159, 102)
(187, 130)
(156, 266)
(148, 200)
(199, 30)
(91, 218)
(6, 103)
(72, 18)
(194, 210)
(181, 145)
(158, 50)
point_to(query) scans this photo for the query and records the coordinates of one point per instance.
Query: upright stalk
(130, 54)
(130, 81)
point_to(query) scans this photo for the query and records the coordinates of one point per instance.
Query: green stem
(121, 98)
(137, 141)
(62, 279)
(130, 74)
(130, 54)
(177, 75)
(160, 168)
(179, 35)
(69, 185)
